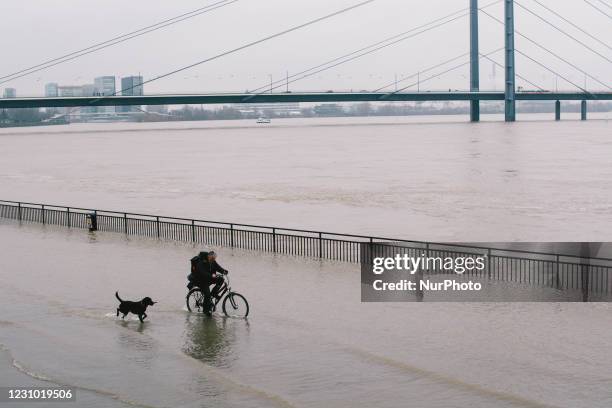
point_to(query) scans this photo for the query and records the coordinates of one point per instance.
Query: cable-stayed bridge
(266, 94)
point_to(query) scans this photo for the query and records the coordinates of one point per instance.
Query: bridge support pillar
(558, 110)
(474, 61)
(583, 110)
(510, 90)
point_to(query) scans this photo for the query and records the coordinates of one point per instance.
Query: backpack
(194, 261)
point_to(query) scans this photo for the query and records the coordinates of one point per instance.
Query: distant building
(131, 86)
(51, 90)
(162, 109)
(70, 90)
(88, 90)
(10, 93)
(329, 109)
(269, 109)
(105, 86)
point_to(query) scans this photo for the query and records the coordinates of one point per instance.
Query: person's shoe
(207, 310)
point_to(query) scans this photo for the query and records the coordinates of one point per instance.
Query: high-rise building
(88, 90)
(105, 86)
(10, 93)
(51, 90)
(131, 86)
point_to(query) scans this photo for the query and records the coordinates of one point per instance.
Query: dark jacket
(205, 270)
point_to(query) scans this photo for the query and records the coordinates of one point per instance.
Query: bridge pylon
(510, 70)
(474, 61)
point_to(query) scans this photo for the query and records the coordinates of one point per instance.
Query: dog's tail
(117, 296)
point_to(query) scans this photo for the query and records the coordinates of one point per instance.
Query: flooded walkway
(308, 343)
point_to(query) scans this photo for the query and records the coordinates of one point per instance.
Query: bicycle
(234, 304)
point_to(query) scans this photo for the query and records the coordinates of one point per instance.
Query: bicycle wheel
(195, 300)
(235, 305)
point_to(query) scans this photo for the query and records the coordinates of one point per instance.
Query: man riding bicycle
(206, 272)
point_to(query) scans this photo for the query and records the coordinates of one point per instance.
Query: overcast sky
(36, 30)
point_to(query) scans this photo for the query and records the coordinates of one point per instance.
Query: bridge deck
(294, 97)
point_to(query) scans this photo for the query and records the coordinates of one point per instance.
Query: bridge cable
(242, 47)
(550, 52)
(422, 71)
(551, 70)
(353, 56)
(563, 32)
(598, 9)
(256, 42)
(364, 51)
(282, 82)
(605, 4)
(436, 75)
(519, 76)
(113, 41)
(576, 26)
(444, 63)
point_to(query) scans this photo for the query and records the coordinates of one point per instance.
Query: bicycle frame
(225, 289)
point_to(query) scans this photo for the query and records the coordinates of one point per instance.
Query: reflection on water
(138, 348)
(212, 339)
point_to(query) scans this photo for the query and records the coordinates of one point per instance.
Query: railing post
(19, 210)
(42, 212)
(68, 217)
(193, 230)
(489, 262)
(125, 227)
(320, 245)
(157, 225)
(232, 235)
(557, 273)
(274, 239)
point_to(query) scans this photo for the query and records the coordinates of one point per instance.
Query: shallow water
(309, 341)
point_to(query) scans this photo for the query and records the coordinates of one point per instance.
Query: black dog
(137, 308)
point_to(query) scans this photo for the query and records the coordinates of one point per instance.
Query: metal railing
(560, 271)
